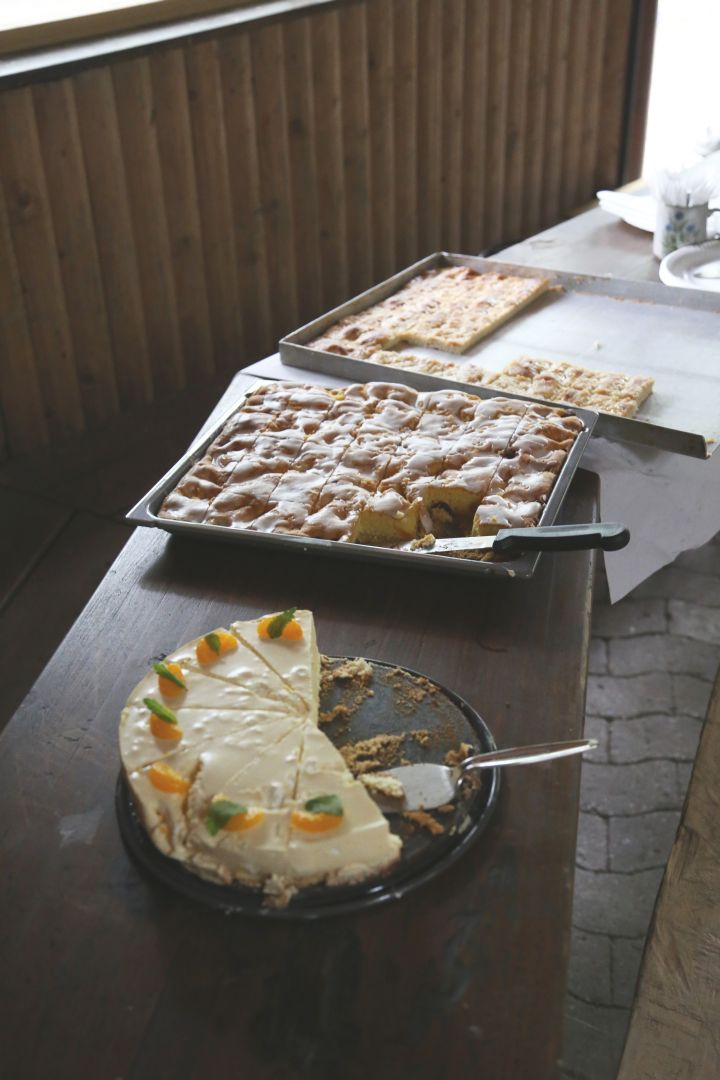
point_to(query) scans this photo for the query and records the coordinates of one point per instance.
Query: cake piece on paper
(557, 380)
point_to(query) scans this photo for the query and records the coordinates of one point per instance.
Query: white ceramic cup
(676, 226)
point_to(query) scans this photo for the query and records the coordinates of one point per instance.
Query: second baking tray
(145, 512)
(640, 328)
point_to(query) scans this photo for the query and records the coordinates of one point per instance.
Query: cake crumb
(455, 757)
(382, 784)
(366, 755)
(422, 737)
(338, 712)
(425, 821)
(423, 543)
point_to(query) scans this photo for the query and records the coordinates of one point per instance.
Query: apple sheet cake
(449, 308)
(452, 308)
(376, 463)
(557, 380)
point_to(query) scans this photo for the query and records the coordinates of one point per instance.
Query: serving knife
(426, 786)
(608, 535)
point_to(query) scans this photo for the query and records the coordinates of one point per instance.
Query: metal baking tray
(145, 512)
(608, 324)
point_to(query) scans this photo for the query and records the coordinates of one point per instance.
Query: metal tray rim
(294, 351)
(144, 513)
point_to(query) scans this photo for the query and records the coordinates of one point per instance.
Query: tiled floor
(654, 659)
(654, 656)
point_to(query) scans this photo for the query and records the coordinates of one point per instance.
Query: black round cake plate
(431, 720)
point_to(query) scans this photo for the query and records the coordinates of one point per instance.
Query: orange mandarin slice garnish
(280, 627)
(315, 823)
(162, 777)
(240, 822)
(162, 730)
(168, 688)
(214, 645)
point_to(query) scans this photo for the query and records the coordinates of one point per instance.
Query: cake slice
(337, 833)
(294, 660)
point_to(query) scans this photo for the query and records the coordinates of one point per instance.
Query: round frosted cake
(231, 774)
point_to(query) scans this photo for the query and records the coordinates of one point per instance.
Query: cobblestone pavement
(653, 661)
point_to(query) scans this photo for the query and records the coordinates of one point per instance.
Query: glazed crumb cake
(377, 463)
(232, 776)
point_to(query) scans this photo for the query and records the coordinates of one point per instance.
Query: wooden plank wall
(168, 216)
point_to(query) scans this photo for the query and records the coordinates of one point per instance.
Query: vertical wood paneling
(593, 98)
(143, 176)
(356, 142)
(405, 41)
(303, 169)
(329, 157)
(245, 187)
(38, 261)
(214, 194)
(171, 121)
(429, 125)
(271, 114)
(499, 69)
(74, 233)
(473, 175)
(381, 90)
(581, 27)
(109, 203)
(23, 413)
(555, 116)
(172, 214)
(515, 151)
(537, 93)
(615, 83)
(453, 73)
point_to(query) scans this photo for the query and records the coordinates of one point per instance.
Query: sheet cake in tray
(356, 469)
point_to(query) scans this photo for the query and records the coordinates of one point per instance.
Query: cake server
(608, 535)
(428, 786)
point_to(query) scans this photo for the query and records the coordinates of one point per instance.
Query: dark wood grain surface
(673, 1033)
(107, 975)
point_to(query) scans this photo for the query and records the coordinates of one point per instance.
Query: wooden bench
(674, 1031)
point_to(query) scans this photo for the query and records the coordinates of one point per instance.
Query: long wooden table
(106, 974)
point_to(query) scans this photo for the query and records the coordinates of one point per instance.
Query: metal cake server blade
(428, 786)
(608, 535)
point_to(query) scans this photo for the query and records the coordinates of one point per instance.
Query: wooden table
(106, 974)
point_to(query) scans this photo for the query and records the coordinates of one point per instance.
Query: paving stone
(629, 617)
(597, 728)
(643, 842)
(598, 663)
(694, 621)
(615, 904)
(592, 842)
(673, 582)
(626, 959)
(662, 652)
(589, 968)
(624, 696)
(703, 560)
(594, 1037)
(649, 737)
(629, 789)
(691, 695)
